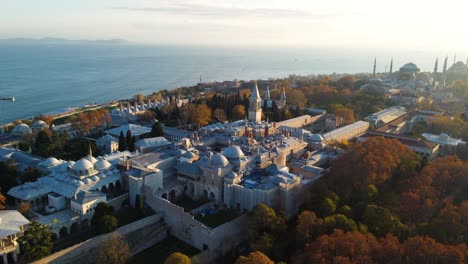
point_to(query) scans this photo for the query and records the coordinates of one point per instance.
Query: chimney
(127, 165)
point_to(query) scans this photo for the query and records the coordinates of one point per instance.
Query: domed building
(409, 71)
(102, 165)
(83, 168)
(233, 152)
(21, 130)
(39, 125)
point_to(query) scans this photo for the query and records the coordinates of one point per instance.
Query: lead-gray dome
(219, 161)
(102, 165)
(409, 67)
(83, 166)
(233, 152)
(317, 138)
(39, 124)
(21, 129)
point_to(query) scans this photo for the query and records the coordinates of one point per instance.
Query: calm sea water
(46, 78)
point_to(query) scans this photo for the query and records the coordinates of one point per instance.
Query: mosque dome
(83, 166)
(39, 125)
(233, 152)
(317, 138)
(50, 162)
(409, 67)
(219, 161)
(102, 165)
(21, 129)
(92, 159)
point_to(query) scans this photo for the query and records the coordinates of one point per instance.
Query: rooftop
(136, 130)
(10, 221)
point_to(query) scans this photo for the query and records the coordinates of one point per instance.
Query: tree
(157, 130)
(256, 257)
(107, 223)
(219, 115)
(308, 227)
(2, 201)
(129, 140)
(42, 144)
(177, 258)
(296, 97)
(202, 115)
(113, 251)
(36, 242)
(346, 113)
(122, 142)
(264, 227)
(238, 112)
(101, 210)
(24, 207)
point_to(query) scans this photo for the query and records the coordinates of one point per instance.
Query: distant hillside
(61, 41)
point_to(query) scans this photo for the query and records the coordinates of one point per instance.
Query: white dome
(39, 124)
(233, 152)
(317, 138)
(50, 162)
(102, 165)
(21, 129)
(219, 161)
(92, 159)
(83, 166)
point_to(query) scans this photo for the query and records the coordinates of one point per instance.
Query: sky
(395, 24)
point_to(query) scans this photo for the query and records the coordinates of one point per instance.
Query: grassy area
(189, 204)
(219, 218)
(159, 252)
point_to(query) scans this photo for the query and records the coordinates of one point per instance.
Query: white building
(12, 225)
(347, 132)
(386, 115)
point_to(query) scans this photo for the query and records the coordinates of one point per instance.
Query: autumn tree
(372, 162)
(219, 115)
(2, 201)
(346, 113)
(238, 112)
(113, 251)
(256, 257)
(296, 97)
(308, 227)
(177, 258)
(202, 115)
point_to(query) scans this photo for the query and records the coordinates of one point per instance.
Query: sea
(50, 78)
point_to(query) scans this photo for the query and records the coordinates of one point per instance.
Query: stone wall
(118, 201)
(218, 241)
(139, 235)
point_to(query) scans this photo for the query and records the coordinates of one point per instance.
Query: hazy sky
(421, 24)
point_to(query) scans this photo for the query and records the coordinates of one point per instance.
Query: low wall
(217, 241)
(117, 201)
(139, 235)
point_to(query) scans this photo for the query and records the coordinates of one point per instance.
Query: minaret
(255, 109)
(454, 58)
(375, 64)
(282, 99)
(435, 74)
(444, 71)
(391, 66)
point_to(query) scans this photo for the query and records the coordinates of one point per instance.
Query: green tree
(36, 242)
(177, 258)
(101, 210)
(157, 130)
(129, 140)
(42, 145)
(113, 251)
(107, 224)
(122, 142)
(264, 228)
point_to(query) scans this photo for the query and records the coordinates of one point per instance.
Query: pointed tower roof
(267, 94)
(283, 95)
(391, 66)
(436, 66)
(255, 94)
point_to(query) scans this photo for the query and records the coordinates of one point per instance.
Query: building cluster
(234, 165)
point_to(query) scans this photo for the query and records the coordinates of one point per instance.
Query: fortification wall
(139, 235)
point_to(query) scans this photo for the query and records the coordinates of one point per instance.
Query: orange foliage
(371, 162)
